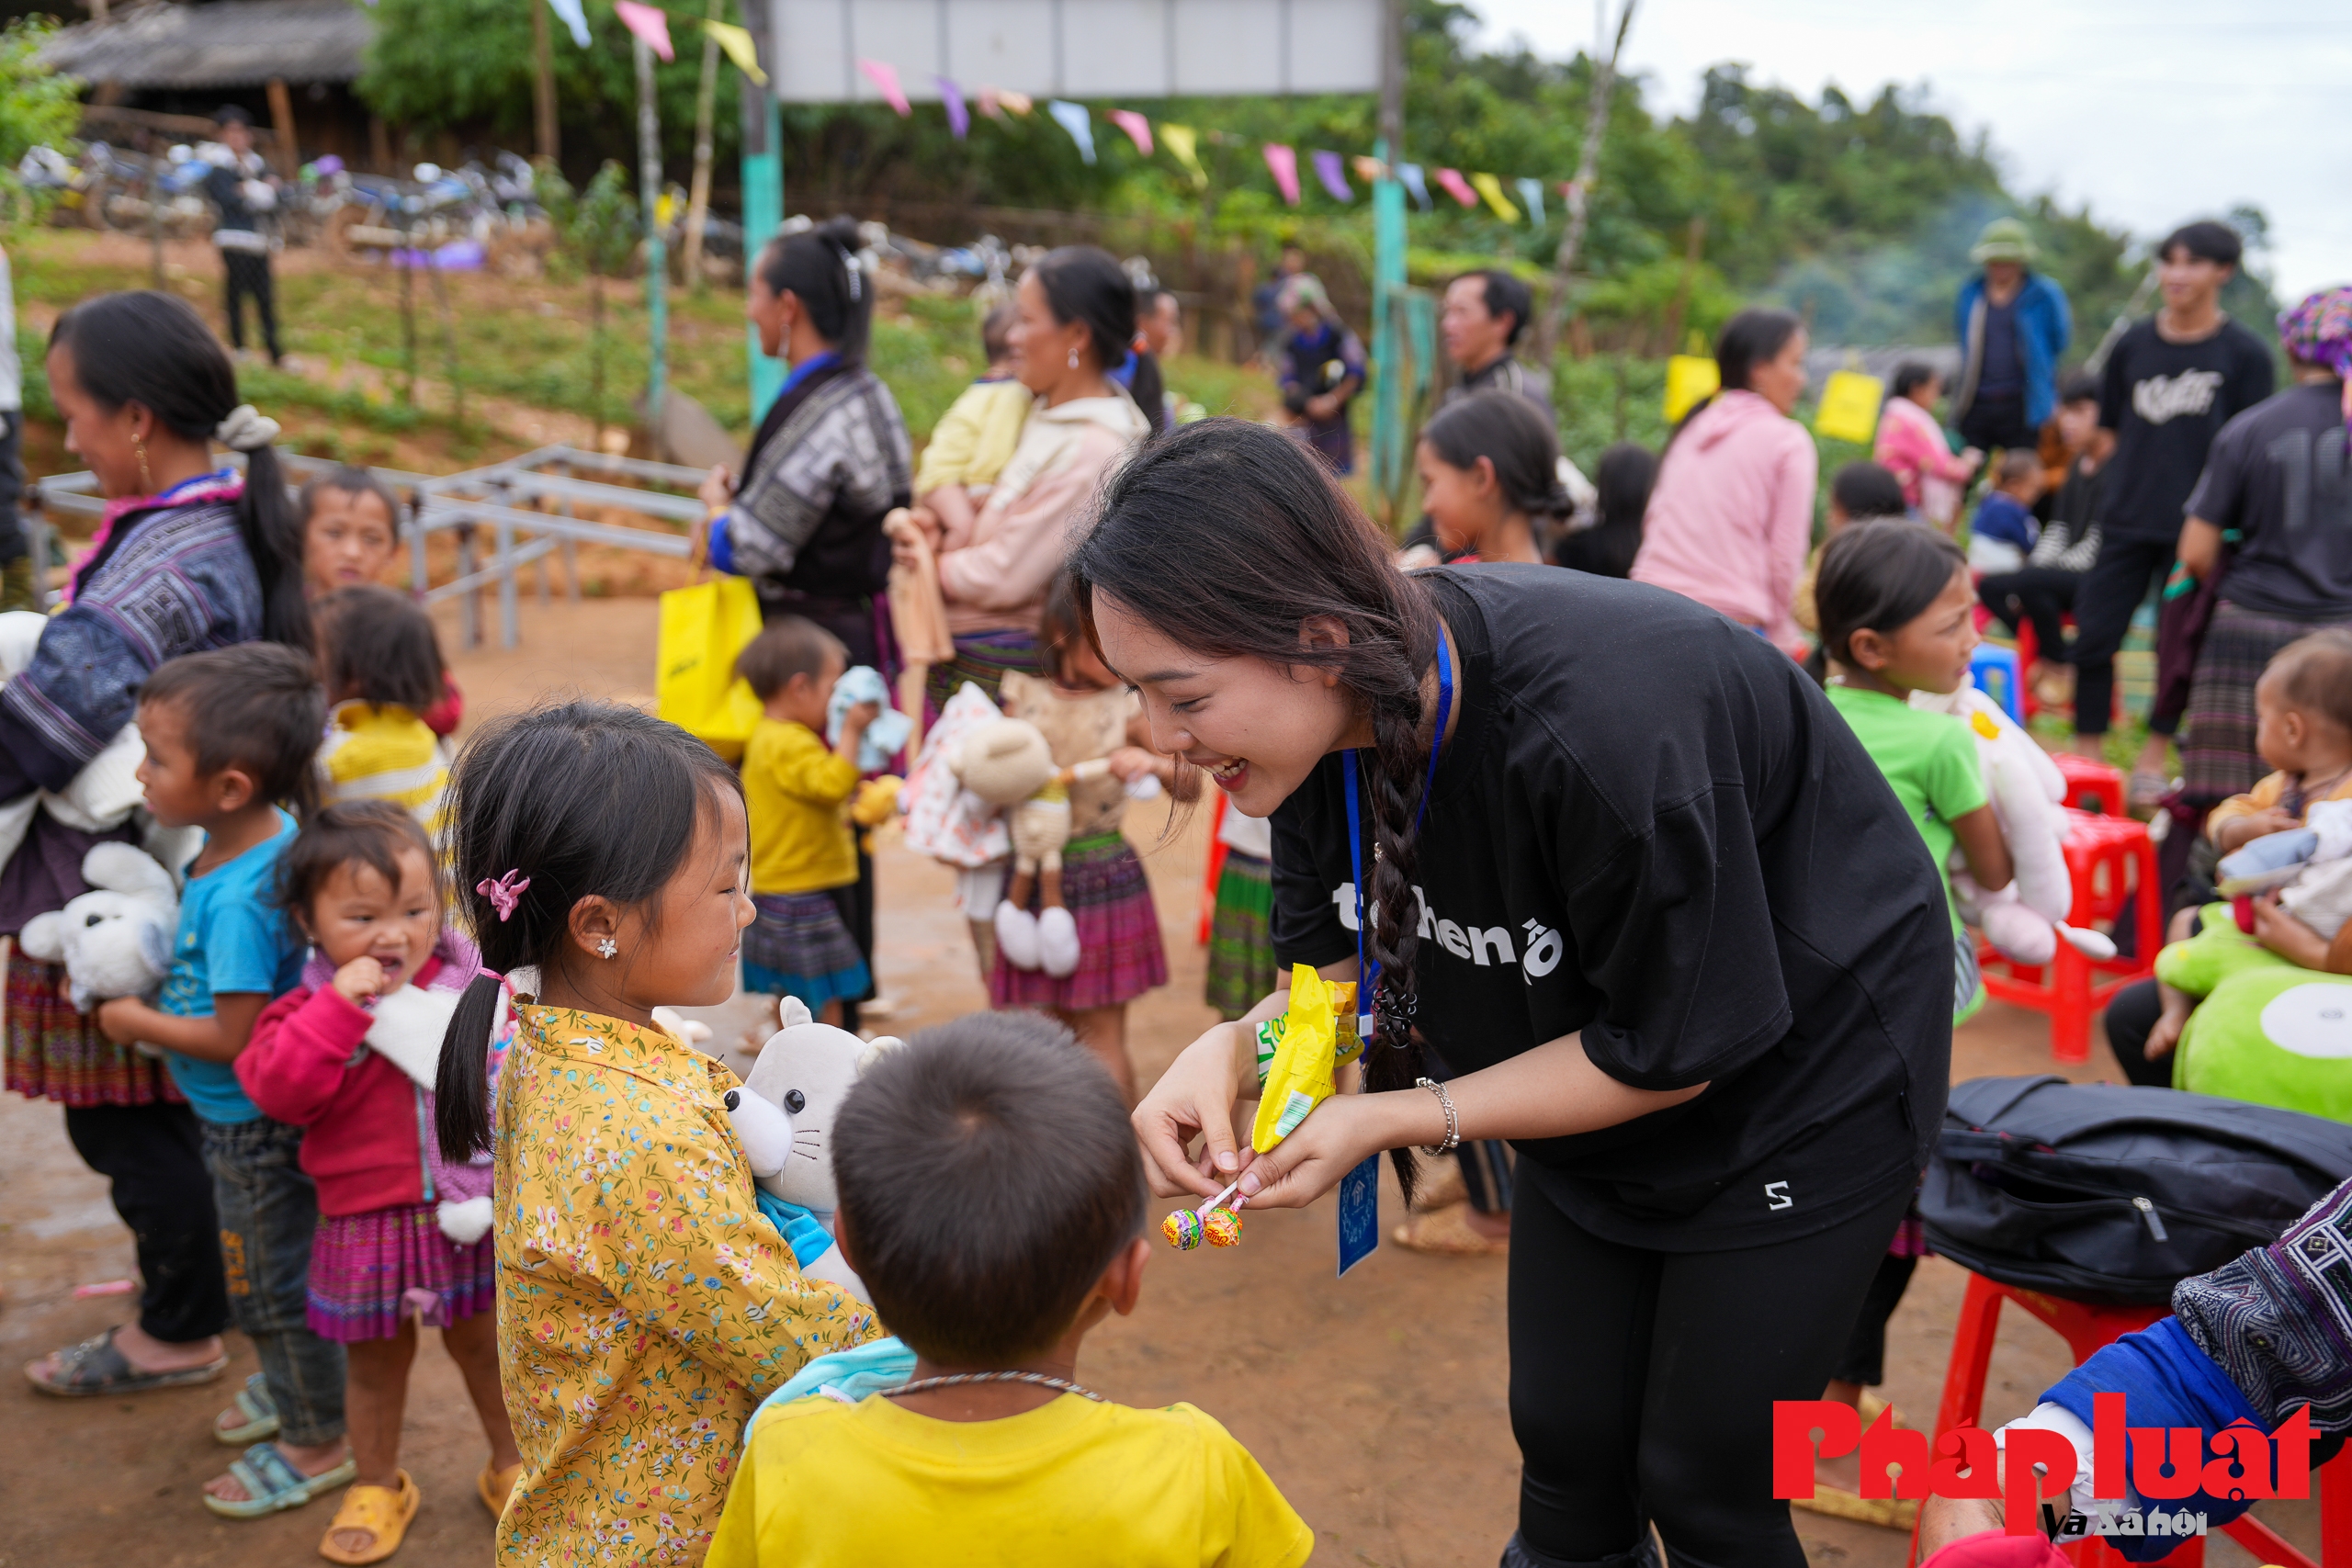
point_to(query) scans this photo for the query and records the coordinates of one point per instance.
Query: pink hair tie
(505, 892)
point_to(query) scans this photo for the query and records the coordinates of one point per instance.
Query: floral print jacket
(645, 1307)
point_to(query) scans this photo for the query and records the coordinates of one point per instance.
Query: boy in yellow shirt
(796, 792)
(974, 438)
(991, 1198)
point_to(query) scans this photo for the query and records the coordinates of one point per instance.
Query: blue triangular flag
(1411, 174)
(1078, 122)
(1531, 191)
(573, 17)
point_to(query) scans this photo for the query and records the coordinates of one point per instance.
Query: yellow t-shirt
(383, 753)
(1074, 1483)
(974, 438)
(796, 793)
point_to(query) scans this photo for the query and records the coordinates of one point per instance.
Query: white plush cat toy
(784, 1118)
(2025, 920)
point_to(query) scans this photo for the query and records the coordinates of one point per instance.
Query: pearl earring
(1073, 359)
(606, 948)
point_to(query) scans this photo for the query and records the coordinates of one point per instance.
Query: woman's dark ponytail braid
(1395, 781)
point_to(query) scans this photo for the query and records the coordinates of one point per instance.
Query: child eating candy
(991, 1198)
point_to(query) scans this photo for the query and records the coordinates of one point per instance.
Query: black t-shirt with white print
(2165, 401)
(2280, 475)
(1651, 827)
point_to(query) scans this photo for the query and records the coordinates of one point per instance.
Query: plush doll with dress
(1010, 765)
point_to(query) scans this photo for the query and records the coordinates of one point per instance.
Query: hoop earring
(1073, 359)
(606, 948)
(146, 484)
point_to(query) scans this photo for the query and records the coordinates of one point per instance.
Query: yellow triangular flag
(1492, 189)
(1849, 405)
(1182, 142)
(1688, 378)
(740, 49)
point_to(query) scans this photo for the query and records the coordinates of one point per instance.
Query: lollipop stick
(1220, 1197)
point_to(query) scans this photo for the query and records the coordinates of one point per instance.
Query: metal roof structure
(227, 43)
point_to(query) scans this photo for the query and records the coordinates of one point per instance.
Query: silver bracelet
(1452, 1122)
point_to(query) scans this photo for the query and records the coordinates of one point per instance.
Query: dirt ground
(1376, 1403)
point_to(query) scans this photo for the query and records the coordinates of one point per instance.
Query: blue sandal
(258, 1416)
(95, 1367)
(273, 1484)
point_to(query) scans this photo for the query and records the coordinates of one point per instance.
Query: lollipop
(1183, 1230)
(1221, 1227)
(1212, 1222)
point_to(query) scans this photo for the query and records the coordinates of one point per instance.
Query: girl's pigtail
(1393, 1059)
(461, 1086)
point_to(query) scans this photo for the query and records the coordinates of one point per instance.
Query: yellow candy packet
(1269, 1034)
(1305, 1052)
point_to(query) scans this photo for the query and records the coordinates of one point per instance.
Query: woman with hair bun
(1732, 516)
(1490, 480)
(830, 458)
(191, 556)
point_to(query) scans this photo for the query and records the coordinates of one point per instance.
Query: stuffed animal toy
(103, 794)
(2025, 920)
(2268, 1031)
(1010, 765)
(783, 1116)
(115, 939)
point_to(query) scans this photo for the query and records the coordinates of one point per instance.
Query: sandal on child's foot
(1448, 1234)
(250, 1417)
(495, 1486)
(380, 1513)
(272, 1484)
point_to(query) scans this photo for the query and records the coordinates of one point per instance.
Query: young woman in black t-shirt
(1659, 913)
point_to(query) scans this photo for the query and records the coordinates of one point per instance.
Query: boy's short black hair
(1864, 490)
(255, 706)
(2016, 463)
(1506, 295)
(2077, 387)
(377, 644)
(987, 1176)
(351, 479)
(2206, 241)
(2315, 673)
(996, 330)
(375, 833)
(792, 645)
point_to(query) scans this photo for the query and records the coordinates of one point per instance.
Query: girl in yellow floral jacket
(645, 1307)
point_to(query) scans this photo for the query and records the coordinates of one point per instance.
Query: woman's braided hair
(1281, 545)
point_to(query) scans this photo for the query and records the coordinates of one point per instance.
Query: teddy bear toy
(115, 939)
(2025, 920)
(1009, 764)
(783, 1116)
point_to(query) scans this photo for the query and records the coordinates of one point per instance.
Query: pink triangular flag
(1139, 129)
(1456, 186)
(1284, 162)
(648, 22)
(884, 78)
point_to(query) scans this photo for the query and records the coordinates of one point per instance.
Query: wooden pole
(657, 257)
(1605, 78)
(1693, 244)
(543, 84)
(281, 114)
(699, 195)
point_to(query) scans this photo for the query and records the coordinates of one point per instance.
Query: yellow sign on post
(1849, 405)
(1688, 378)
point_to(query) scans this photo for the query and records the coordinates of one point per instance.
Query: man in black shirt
(241, 191)
(2170, 385)
(1486, 314)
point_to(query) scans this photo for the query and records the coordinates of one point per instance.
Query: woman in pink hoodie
(1732, 516)
(1075, 344)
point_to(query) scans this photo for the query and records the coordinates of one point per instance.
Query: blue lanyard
(1368, 970)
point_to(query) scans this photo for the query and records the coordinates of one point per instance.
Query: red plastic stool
(2091, 785)
(2086, 1329)
(2107, 858)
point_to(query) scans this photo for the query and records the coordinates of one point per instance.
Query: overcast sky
(2155, 111)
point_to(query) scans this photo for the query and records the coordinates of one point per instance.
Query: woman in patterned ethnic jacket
(188, 557)
(831, 459)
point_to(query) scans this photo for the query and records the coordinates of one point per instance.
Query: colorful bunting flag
(1454, 185)
(1182, 142)
(884, 78)
(1284, 164)
(569, 13)
(1015, 103)
(1139, 129)
(1531, 192)
(648, 22)
(951, 98)
(1411, 174)
(1492, 189)
(740, 49)
(1328, 169)
(1075, 119)
(1369, 169)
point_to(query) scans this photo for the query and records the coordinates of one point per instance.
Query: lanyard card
(1359, 1213)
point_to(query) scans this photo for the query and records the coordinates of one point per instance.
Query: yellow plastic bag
(1299, 1078)
(1688, 378)
(1849, 405)
(703, 629)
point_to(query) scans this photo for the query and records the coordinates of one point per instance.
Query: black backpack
(2104, 1193)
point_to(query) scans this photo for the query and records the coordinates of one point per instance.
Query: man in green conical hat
(2013, 324)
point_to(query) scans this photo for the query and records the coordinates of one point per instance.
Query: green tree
(38, 106)
(598, 229)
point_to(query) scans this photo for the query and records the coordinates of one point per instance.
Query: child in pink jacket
(1731, 518)
(350, 1054)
